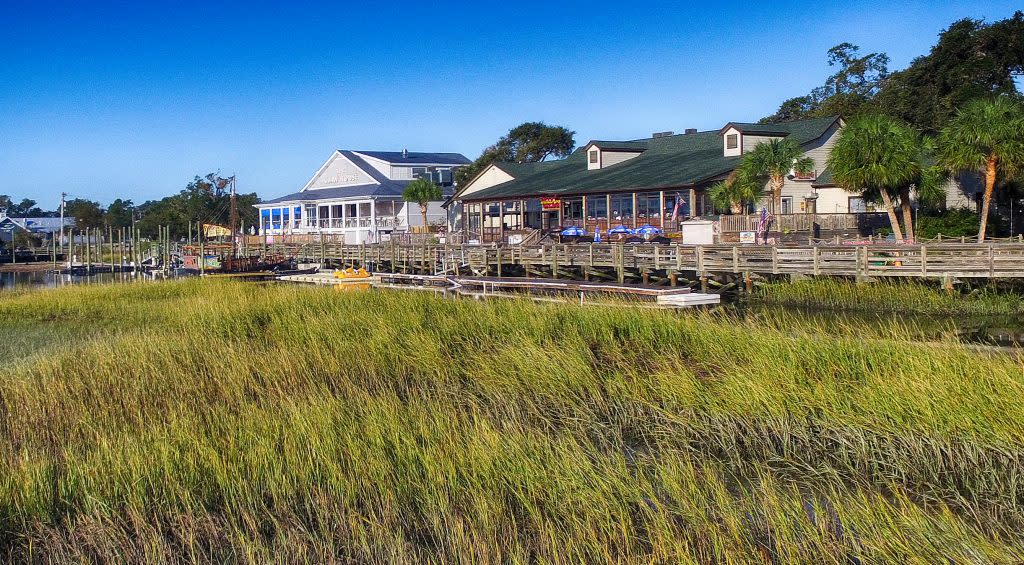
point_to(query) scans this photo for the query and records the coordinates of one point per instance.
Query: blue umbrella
(620, 229)
(597, 235)
(574, 231)
(648, 229)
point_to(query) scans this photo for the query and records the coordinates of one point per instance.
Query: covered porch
(496, 220)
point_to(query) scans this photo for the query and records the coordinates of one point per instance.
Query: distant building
(359, 194)
(42, 226)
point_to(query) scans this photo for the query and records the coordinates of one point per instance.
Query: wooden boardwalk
(665, 264)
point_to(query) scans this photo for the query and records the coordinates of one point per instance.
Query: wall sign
(551, 203)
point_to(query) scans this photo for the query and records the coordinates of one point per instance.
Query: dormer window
(593, 156)
(732, 141)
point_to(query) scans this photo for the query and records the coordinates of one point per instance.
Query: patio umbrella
(574, 231)
(620, 229)
(648, 229)
(597, 235)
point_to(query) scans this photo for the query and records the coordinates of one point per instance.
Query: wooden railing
(988, 260)
(804, 222)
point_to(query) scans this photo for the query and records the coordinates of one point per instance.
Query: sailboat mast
(233, 219)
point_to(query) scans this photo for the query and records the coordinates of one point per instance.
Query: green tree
(971, 60)
(986, 136)
(422, 192)
(736, 192)
(770, 162)
(119, 214)
(845, 93)
(880, 155)
(87, 213)
(530, 142)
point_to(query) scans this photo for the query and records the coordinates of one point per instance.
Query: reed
(224, 421)
(884, 296)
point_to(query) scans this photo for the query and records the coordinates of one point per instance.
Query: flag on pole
(763, 223)
(675, 209)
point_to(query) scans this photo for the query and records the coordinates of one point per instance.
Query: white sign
(748, 237)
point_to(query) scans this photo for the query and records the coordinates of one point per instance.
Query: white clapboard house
(359, 194)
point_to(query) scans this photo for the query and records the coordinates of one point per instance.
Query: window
(732, 141)
(857, 205)
(510, 217)
(597, 207)
(265, 218)
(680, 199)
(418, 172)
(275, 218)
(787, 204)
(533, 213)
(572, 211)
(647, 206)
(593, 155)
(311, 215)
(622, 206)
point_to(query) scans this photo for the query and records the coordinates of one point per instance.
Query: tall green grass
(220, 421)
(886, 296)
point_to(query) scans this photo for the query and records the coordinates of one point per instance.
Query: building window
(732, 141)
(533, 213)
(419, 172)
(787, 204)
(593, 155)
(572, 211)
(857, 205)
(597, 207)
(311, 215)
(622, 207)
(647, 206)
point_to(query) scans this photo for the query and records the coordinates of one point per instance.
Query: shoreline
(26, 267)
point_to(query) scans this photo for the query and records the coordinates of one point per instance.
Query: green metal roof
(669, 162)
(824, 179)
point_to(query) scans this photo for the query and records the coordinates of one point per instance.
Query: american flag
(763, 223)
(675, 209)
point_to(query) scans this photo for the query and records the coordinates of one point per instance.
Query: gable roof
(675, 161)
(415, 158)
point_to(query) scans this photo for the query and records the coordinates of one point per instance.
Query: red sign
(551, 203)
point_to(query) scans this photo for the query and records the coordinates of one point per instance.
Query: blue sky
(134, 99)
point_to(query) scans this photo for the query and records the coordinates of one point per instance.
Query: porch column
(522, 214)
(608, 207)
(693, 203)
(373, 218)
(661, 209)
(634, 226)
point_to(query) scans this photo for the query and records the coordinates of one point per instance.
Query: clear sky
(134, 99)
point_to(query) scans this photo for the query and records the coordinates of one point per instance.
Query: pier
(672, 265)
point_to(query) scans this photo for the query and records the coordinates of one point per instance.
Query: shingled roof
(674, 161)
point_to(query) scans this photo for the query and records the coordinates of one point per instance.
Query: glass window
(572, 211)
(275, 218)
(533, 213)
(593, 155)
(597, 207)
(732, 141)
(647, 205)
(677, 204)
(622, 206)
(511, 218)
(787, 205)
(310, 215)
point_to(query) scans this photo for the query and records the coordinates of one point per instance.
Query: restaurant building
(660, 181)
(358, 194)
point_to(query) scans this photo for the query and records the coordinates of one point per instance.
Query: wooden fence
(805, 222)
(988, 260)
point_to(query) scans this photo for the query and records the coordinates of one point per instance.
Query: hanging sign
(551, 203)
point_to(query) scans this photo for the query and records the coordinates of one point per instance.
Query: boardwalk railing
(989, 260)
(804, 222)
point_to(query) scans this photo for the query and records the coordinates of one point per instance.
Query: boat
(351, 273)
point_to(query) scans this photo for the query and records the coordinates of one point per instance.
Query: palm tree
(423, 192)
(985, 136)
(772, 161)
(736, 192)
(877, 154)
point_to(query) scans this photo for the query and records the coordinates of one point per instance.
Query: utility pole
(233, 219)
(63, 196)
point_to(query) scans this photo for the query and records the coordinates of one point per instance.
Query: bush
(953, 223)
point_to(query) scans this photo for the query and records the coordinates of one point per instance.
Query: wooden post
(924, 261)
(775, 259)
(991, 262)
(735, 259)
(554, 261)
(620, 263)
(817, 258)
(700, 259)
(202, 255)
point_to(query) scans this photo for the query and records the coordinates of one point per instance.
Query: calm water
(989, 330)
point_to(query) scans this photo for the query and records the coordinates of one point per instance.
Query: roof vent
(661, 134)
(690, 131)
(405, 153)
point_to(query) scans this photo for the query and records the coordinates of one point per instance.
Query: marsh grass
(890, 296)
(233, 422)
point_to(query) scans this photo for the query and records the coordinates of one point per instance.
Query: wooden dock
(669, 265)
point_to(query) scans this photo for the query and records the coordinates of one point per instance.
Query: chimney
(405, 153)
(690, 130)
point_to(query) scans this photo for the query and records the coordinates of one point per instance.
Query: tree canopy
(856, 81)
(529, 142)
(986, 136)
(422, 191)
